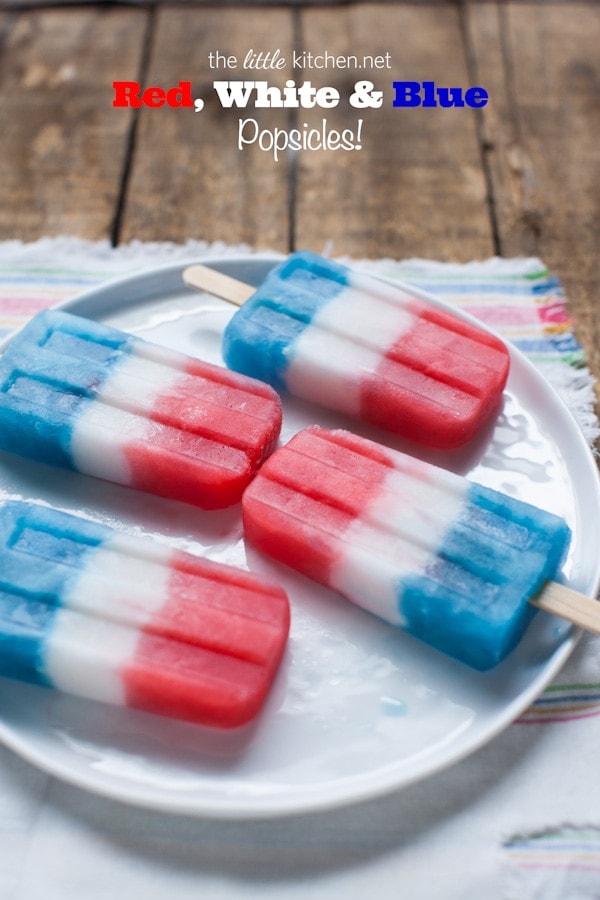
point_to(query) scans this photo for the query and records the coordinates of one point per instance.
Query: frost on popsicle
(371, 350)
(82, 395)
(452, 562)
(125, 620)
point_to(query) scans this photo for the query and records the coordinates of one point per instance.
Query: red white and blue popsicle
(82, 395)
(129, 621)
(360, 346)
(450, 561)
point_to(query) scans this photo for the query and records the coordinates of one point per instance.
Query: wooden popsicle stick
(563, 601)
(218, 284)
(554, 598)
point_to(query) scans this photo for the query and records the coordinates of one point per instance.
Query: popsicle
(360, 346)
(82, 395)
(450, 561)
(127, 620)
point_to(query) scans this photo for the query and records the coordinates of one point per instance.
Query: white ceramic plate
(358, 708)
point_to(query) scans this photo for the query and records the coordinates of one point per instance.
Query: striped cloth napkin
(518, 820)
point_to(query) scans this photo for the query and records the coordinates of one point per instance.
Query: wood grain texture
(189, 180)
(63, 145)
(416, 187)
(542, 133)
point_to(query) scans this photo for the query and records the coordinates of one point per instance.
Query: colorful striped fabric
(25, 291)
(559, 864)
(564, 703)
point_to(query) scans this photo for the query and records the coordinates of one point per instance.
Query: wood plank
(542, 132)
(18, 4)
(63, 145)
(189, 180)
(417, 186)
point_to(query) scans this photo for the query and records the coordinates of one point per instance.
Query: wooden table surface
(520, 176)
